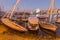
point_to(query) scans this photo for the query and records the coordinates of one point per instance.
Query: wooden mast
(13, 8)
(12, 24)
(51, 9)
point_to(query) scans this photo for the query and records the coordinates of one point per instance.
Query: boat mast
(51, 9)
(13, 8)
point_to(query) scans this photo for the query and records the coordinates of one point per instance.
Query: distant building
(58, 10)
(2, 13)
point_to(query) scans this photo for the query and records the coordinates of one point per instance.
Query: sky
(29, 4)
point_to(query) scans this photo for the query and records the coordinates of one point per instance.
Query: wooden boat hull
(33, 23)
(49, 32)
(13, 25)
(57, 21)
(43, 17)
(48, 26)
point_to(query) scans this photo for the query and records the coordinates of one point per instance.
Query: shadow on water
(58, 30)
(39, 33)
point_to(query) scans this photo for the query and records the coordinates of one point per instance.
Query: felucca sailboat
(7, 20)
(49, 26)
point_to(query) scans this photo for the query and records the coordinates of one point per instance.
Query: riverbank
(10, 34)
